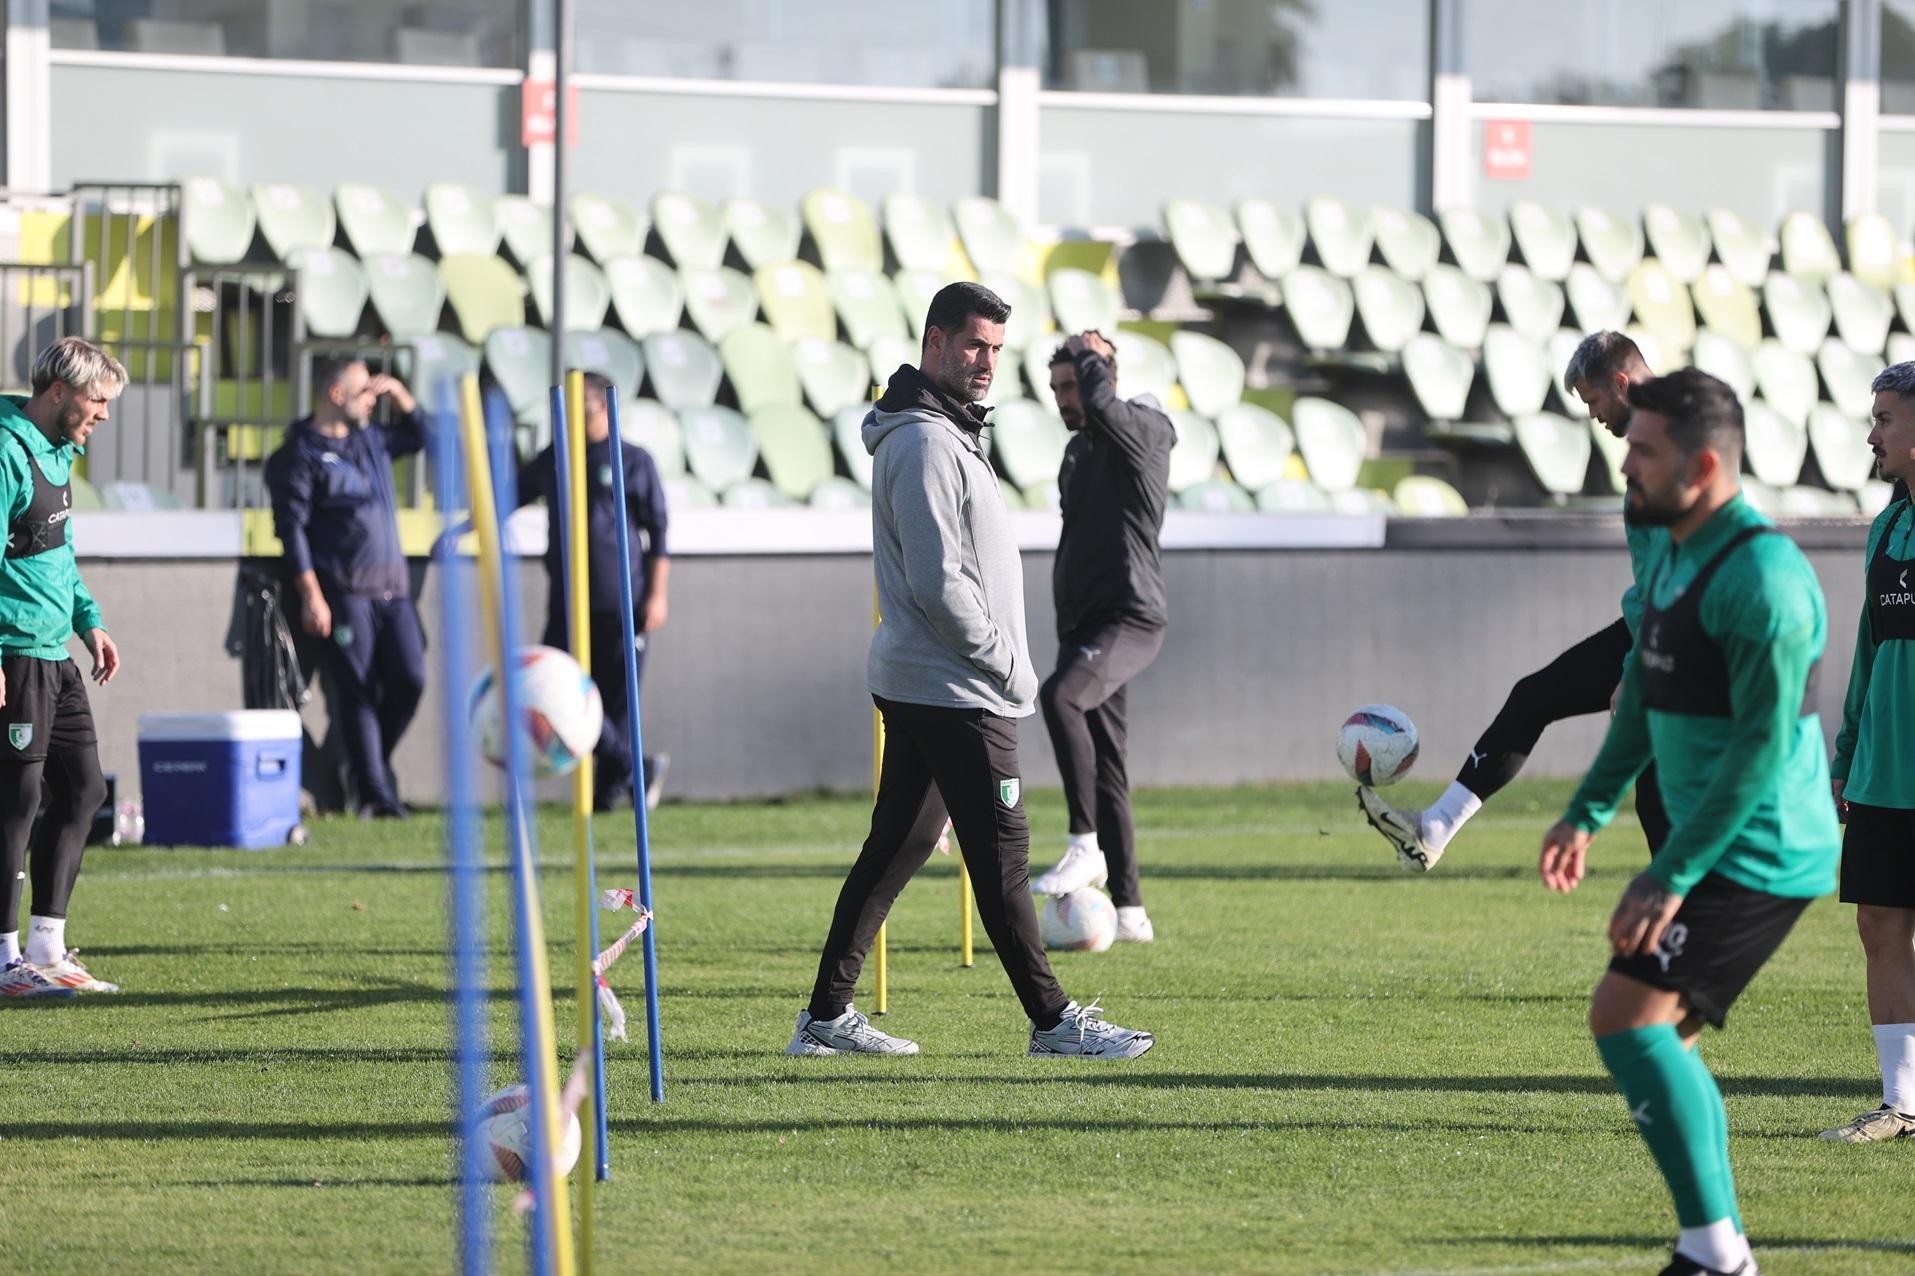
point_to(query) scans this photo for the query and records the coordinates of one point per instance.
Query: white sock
(1895, 1045)
(1084, 842)
(1718, 1245)
(9, 947)
(1447, 815)
(1131, 913)
(46, 940)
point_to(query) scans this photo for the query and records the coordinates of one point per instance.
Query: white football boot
(1081, 866)
(22, 979)
(1133, 926)
(1084, 1034)
(849, 1033)
(69, 973)
(1878, 1125)
(1402, 829)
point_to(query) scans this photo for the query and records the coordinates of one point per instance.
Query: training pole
(550, 1238)
(965, 956)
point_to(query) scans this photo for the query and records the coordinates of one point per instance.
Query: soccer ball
(1083, 921)
(559, 708)
(505, 1132)
(1377, 745)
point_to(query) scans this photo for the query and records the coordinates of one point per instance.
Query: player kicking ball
(1580, 681)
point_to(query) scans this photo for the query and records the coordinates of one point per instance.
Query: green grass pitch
(1356, 1070)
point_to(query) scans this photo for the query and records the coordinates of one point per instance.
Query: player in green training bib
(1718, 694)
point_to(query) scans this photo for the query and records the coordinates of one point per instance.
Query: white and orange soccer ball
(1377, 745)
(560, 713)
(505, 1132)
(1083, 921)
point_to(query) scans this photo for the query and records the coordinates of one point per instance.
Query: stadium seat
(1216, 496)
(915, 288)
(795, 301)
(919, 232)
(1439, 374)
(764, 234)
(1425, 496)
(838, 493)
(832, 374)
(1027, 441)
(1612, 244)
(437, 362)
(1557, 450)
(520, 360)
(1875, 251)
(1594, 301)
(331, 291)
(1808, 251)
(692, 230)
(1678, 240)
(1082, 301)
(1544, 237)
(1293, 496)
(1204, 237)
(525, 227)
(587, 294)
(1723, 357)
(717, 300)
(126, 495)
(1798, 312)
(1517, 370)
(1145, 365)
(1256, 444)
(1272, 236)
(1841, 448)
(888, 354)
(1562, 345)
(793, 446)
(1651, 347)
(1762, 498)
(847, 429)
(684, 371)
(1905, 304)
(1037, 374)
(760, 368)
(1901, 348)
(1775, 446)
(1362, 500)
(1813, 502)
(1862, 312)
(1211, 372)
(1533, 305)
(1662, 305)
(1193, 457)
(376, 221)
(1331, 440)
(1610, 452)
(1030, 321)
(991, 237)
(754, 494)
(1459, 306)
(1785, 378)
(1728, 306)
(867, 306)
(217, 220)
(649, 424)
(1341, 234)
(720, 449)
(1320, 306)
(1390, 306)
(607, 228)
(1478, 241)
(292, 218)
(612, 355)
(1873, 498)
(1741, 245)
(407, 294)
(842, 228)
(1847, 374)
(462, 219)
(647, 297)
(1408, 242)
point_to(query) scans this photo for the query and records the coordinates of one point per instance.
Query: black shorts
(1878, 857)
(1718, 940)
(46, 706)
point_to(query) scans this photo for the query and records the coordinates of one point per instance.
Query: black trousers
(612, 759)
(964, 762)
(48, 750)
(1085, 711)
(1581, 680)
(377, 657)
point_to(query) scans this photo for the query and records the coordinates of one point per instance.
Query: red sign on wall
(1506, 149)
(538, 113)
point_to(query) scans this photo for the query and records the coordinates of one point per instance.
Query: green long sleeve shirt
(1643, 543)
(1748, 794)
(43, 601)
(1875, 750)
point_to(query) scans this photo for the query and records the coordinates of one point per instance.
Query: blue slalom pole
(463, 858)
(640, 817)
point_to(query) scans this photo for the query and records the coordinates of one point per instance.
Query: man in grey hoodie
(952, 674)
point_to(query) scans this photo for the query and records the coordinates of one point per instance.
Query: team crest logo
(1008, 792)
(20, 735)
(604, 476)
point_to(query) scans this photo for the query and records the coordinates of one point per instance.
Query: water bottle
(129, 823)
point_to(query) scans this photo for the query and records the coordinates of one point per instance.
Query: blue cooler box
(220, 779)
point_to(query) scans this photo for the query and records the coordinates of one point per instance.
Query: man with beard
(951, 673)
(1719, 693)
(1581, 680)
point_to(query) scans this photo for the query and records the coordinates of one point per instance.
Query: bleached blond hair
(80, 364)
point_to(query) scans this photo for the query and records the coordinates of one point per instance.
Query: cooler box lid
(239, 724)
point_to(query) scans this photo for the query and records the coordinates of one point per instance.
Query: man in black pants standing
(951, 673)
(1582, 680)
(1108, 585)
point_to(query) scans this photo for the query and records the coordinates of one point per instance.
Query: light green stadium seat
(1408, 242)
(1390, 306)
(1212, 372)
(1517, 370)
(1808, 251)
(919, 232)
(1425, 496)
(794, 447)
(760, 368)
(1081, 301)
(1320, 305)
(717, 300)
(1145, 365)
(1561, 345)
(1662, 305)
(588, 296)
(1331, 440)
(992, 238)
(649, 424)
(520, 360)
(1651, 347)
(1273, 236)
(1044, 497)
(217, 218)
(842, 227)
(1762, 498)
(293, 217)
(376, 221)
(1841, 447)
(867, 305)
(1875, 250)
(684, 371)
(1546, 238)
(464, 220)
(1440, 376)
(1204, 237)
(607, 228)
(887, 354)
(125, 495)
(764, 234)
(1293, 496)
(832, 374)
(915, 288)
(1613, 244)
(1813, 502)
(755, 494)
(1459, 306)
(1901, 347)
(1533, 305)
(1862, 312)
(692, 230)
(795, 300)
(1030, 322)
(611, 354)
(1798, 312)
(331, 291)
(1341, 233)
(835, 493)
(1216, 496)
(1193, 457)
(646, 296)
(525, 228)
(847, 430)
(407, 294)
(1786, 379)
(1678, 240)
(1257, 444)
(1557, 450)
(435, 361)
(1037, 375)
(720, 449)
(1610, 453)
(1478, 241)
(1775, 446)
(1873, 498)
(1725, 358)
(1905, 304)
(484, 293)
(1027, 441)
(1741, 245)
(1594, 302)
(1360, 500)
(1847, 374)
(1728, 305)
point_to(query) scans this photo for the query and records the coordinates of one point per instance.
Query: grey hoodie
(950, 582)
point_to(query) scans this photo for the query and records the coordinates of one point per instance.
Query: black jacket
(334, 508)
(644, 512)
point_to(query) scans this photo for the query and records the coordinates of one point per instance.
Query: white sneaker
(69, 973)
(1402, 829)
(1079, 868)
(22, 979)
(1877, 1125)
(849, 1033)
(1082, 1033)
(1133, 926)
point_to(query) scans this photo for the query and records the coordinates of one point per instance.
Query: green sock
(1678, 1111)
(1722, 1134)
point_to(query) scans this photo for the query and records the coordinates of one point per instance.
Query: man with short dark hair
(1719, 691)
(336, 515)
(951, 673)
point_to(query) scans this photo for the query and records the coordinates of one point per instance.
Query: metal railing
(39, 304)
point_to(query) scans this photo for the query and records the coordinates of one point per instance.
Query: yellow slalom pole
(964, 912)
(491, 573)
(578, 587)
(877, 773)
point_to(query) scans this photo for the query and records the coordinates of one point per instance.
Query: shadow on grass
(442, 1181)
(1759, 1240)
